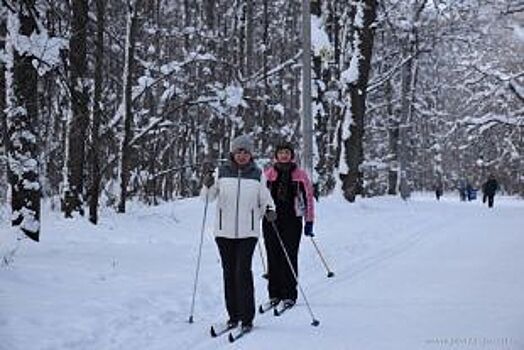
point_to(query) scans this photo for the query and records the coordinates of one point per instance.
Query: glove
(308, 229)
(208, 180)
(271, 215)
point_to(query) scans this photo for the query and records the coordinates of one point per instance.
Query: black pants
(491, 199)
(236, 256)
(281, 282)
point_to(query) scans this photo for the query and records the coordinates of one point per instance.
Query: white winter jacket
(242, 199)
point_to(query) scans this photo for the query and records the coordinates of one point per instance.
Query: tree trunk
(356, 94)
(125, 147)
(79, 118)
(265, 117)
(22, 113)
(187, 23)
(4, 141)
(318, 110)
(405, 122)
(393, 134)
(96, 176)
(408, 78)
(250, 116)
(325, 95)
(209, 10)
(249, 37)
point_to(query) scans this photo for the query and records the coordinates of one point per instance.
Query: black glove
(271, 215)
(308, 229)
(208, 180)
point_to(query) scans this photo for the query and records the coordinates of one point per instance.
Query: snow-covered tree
(133, 8)
(21, 115)
(441, 97)
(78, 118)
(357, 49)
(95, 174)
(4, 139)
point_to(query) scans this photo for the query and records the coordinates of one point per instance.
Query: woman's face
(284, 156)
(241, 156)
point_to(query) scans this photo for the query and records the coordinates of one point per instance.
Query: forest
(104, 102)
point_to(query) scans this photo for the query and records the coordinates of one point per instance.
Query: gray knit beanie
(242, 142)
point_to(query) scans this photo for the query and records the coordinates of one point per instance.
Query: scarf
(283, 188)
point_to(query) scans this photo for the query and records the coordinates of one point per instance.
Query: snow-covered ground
(409, 275)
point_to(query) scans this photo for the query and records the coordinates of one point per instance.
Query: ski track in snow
(127, 283)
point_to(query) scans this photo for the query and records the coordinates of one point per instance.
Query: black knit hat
(285, 145)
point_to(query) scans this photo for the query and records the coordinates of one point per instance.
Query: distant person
(404, 188)
(242, 199)
(489, 188)
(471, 193)
(438, 189)
(462, 189)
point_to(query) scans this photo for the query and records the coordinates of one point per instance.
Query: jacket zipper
(252, 220)
(238, 205)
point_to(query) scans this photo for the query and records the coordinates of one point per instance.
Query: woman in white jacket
(242, 200)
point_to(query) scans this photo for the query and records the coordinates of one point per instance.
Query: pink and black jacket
(304, 199)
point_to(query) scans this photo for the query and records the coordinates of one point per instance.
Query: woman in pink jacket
(292, 194)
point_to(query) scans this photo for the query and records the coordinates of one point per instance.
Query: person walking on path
(462, 189)
(243, 199)
(489, 189)
(293, 195)
(438, 188)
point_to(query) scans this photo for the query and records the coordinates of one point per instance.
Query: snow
(30, 222)
(346, 124)
(39, 45)
(350, 75)
(168, 93)
(278, 108)
(20, 164)
(419, 274)
(226, 99)
(518, 32)
(3, 56)
(145, 82)
(319, 39)
(234, 96)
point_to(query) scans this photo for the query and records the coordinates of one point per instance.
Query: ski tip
(190, 319)
(330, 274)
(212, 332)
(231, 338)
(315, 323)
(275, 312)
(261, 309)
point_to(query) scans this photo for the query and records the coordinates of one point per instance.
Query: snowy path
(416, 275)
(461, 286)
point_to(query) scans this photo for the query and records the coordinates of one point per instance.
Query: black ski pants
(281, 282)
(236, 256)
(491, 199)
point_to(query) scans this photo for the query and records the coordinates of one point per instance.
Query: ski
(238, 333)
(219, 328)
(281, 308)
(265, 307)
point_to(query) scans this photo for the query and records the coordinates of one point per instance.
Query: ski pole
(314, 321)
(329, 272)
(199, 258)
